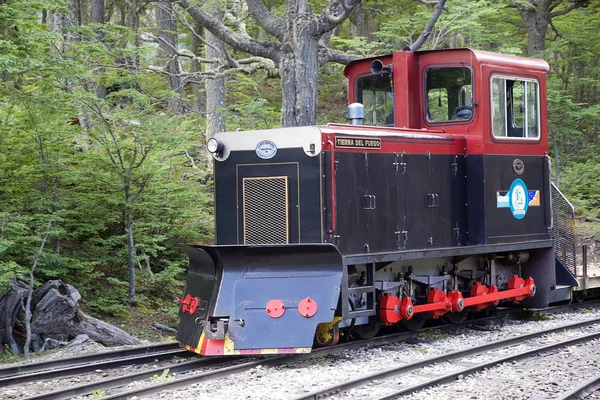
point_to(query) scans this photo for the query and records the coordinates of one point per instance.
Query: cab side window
(375, 93)
(449, 94)
(515, 108)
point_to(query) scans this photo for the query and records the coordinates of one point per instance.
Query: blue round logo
(518, 199)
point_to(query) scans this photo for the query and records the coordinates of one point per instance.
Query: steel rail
(89, 367)
(119, 381)
(88, 358)
(479, 367)
(278, 360)
(335, 389)
(112, 383)
(582, 391)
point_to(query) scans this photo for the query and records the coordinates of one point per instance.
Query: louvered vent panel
(266, 210)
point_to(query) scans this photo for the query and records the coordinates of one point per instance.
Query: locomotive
(433, 201)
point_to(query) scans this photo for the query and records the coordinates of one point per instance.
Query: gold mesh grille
(265, 205)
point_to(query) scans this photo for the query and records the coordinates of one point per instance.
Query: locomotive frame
(441, 205)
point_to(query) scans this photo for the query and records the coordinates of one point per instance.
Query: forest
(106, 106)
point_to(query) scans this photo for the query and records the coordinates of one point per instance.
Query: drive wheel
(579, 296)
(455, 317)
(412, 325)
(366, 332)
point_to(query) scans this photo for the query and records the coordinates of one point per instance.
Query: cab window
(515, 108)
(375, 93)
(449, 94)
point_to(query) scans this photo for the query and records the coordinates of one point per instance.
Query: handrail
(333, 194)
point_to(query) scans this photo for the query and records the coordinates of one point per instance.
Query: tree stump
(55, 314)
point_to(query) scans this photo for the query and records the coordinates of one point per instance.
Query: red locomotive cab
(494, 99)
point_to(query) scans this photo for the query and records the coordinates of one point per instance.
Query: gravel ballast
(543, 376)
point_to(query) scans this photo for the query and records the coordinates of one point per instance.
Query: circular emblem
(518, 199)
(518, 166)
(266, 149)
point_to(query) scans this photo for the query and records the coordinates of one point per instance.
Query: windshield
(449, 95)
(375, 93)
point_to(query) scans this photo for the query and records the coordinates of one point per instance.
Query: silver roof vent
(356, 113)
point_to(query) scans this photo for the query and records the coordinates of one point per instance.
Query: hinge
(336, 240)
(399, 164)
(455, 165)
(366, 158)
(368, 202)
(432, 200)
(336, 164)
(401, 237)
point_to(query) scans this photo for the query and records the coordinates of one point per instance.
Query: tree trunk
(536, 16)
(11, 306)
(130, 255)
(167, 33)
(197, 89)
(97, 17)
(557, 159)
(215, 88)
(298, 68)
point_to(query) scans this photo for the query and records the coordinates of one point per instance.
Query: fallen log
(157, 325)
(591, 219)
(11, 305)
(55, 315)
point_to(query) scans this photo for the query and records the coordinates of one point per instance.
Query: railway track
(205, 368)
(582, 391)
(210, 368)
(461, 355)
(31, 372)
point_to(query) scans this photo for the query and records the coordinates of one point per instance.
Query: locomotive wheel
(413, 324)
(366, 332)
(579, 296)
(455, 317)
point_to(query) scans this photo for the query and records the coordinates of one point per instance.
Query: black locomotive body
(439, 205)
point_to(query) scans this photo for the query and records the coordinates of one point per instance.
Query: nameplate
(357, 143)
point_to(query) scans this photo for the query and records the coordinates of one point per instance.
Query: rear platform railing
(563, 230)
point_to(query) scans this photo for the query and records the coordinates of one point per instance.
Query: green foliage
(8, 357)
(66, 153)
(582, 186)
(432, 334)
(252, 102)
(98, 393)
(537, 316)
(162, 378)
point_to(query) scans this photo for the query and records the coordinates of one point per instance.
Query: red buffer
(189, 304)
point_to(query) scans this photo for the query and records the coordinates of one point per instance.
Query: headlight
(212, 145)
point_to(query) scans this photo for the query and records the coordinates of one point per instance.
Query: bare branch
(571, 7)
(427, 3)
(270, 23)
(236, 40)
(429, 27)
(191, 160)
(331, 18)
(246, 65)
(327, 54)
